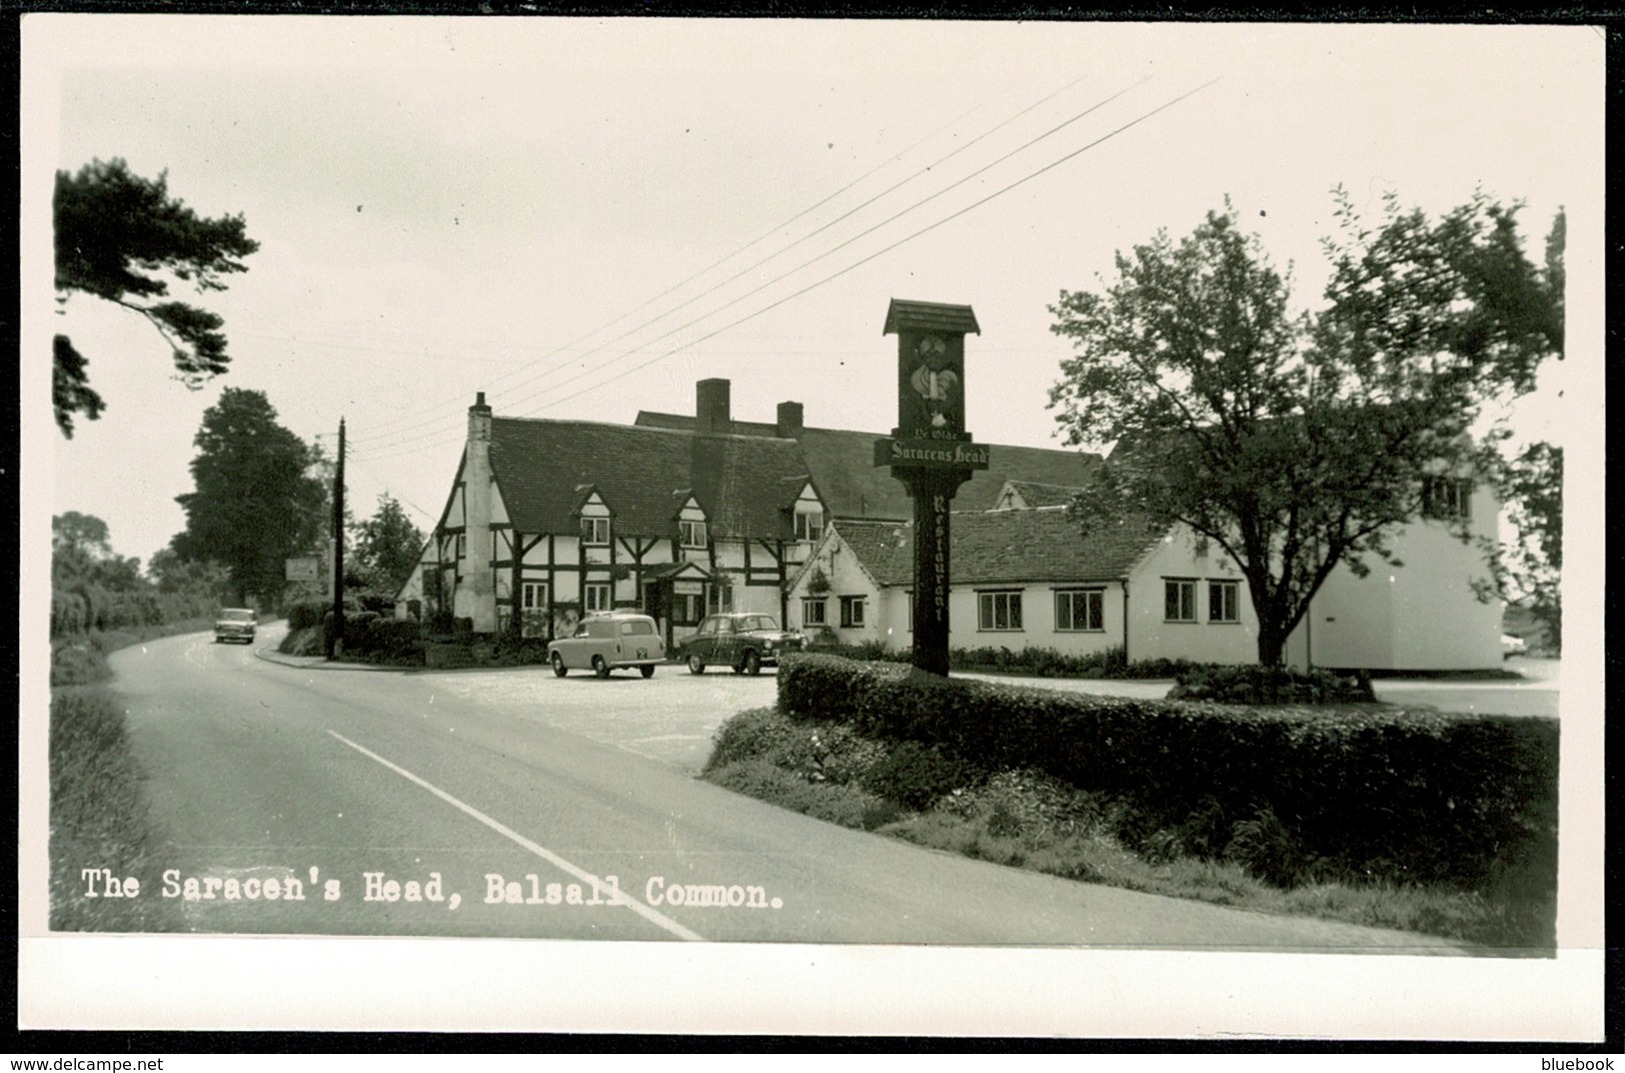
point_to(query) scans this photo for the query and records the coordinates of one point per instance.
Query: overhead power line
(374, 437)
(870, 257)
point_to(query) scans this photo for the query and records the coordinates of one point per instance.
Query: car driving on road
(235, 624)
(745, 641)
(606, 641)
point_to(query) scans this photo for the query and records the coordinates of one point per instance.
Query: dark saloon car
(235, 624)
(745, 641)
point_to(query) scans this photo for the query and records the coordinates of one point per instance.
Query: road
(390, 801)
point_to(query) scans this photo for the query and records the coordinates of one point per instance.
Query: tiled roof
(1007, 547)
(842, 465)
(906, 316)
(1036, 495)
(742, 483)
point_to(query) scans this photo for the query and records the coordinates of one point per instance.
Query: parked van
(604, 642)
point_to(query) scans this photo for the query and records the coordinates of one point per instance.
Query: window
(1447, 498)
(814, 612)
(595, 531)
(809, 525)
(998, 610)
(691, 534)
(686, 609)
(533, 608)
(851, 611)
(1224, 601)
(1083, 609)
(595, 597)
(718, 598)
(1179, 600)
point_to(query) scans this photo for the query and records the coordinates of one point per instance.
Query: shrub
(308, 613)
(916, 775)
(1265, 847)
(823, 752)
(1255, 684)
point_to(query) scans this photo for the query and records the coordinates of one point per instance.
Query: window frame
(821, 603)
(809, 526)
(850, 621)
(1185, 584)
(1094, 610)
(987, 611)
(590, 527)
(1447, 499)
(1233, 588)
(686, 538)
(607, 588)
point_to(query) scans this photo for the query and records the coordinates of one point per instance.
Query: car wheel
(648, 670)
(599, 667)
(753, 663)
(696, 665)
(558, 665)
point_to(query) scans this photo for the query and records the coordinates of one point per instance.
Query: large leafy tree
(387, 547)
(122, 238)
(255, 502)
(1532, 563)
(1296, 442)
(92, 587)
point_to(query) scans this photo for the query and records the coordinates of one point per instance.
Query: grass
(99, 818)
(1028, 819)
(98, 815)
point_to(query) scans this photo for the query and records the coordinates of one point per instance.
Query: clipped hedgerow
(1412, 795)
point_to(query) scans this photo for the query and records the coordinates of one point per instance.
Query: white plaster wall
(1037, 618)
(847, 578)
(1151, 636)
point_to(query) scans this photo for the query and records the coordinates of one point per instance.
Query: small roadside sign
(306, 569)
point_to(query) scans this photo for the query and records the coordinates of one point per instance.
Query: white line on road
(552, 858)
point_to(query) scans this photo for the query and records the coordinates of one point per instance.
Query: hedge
(1405, 794)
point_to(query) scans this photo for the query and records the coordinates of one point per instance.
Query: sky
(582, 218)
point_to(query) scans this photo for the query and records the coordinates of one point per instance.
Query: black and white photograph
(863, 527)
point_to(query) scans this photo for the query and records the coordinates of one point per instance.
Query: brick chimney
(711, 406)
(790, 420)
(476, 592)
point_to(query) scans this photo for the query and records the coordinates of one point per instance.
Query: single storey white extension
(1023, 576)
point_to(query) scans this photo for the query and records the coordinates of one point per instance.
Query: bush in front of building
(1254, 684)
(373, 639)
(1381, 792)
(308, 614)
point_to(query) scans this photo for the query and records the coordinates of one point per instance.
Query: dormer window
(691, 535)
(809, 526)
(595, 531)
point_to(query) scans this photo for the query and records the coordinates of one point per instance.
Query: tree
(91, 586)
(114, 230)
(1296, 442)
(75, 534)
(387, 547)
(255, 503)
(1532, 565)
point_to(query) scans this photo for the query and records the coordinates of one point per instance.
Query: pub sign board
(930, 430)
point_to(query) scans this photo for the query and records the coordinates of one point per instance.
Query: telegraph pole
(336, 634)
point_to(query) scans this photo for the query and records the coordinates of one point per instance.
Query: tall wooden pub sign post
(930, 452)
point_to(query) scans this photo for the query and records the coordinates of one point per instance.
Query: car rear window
(637, 626)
